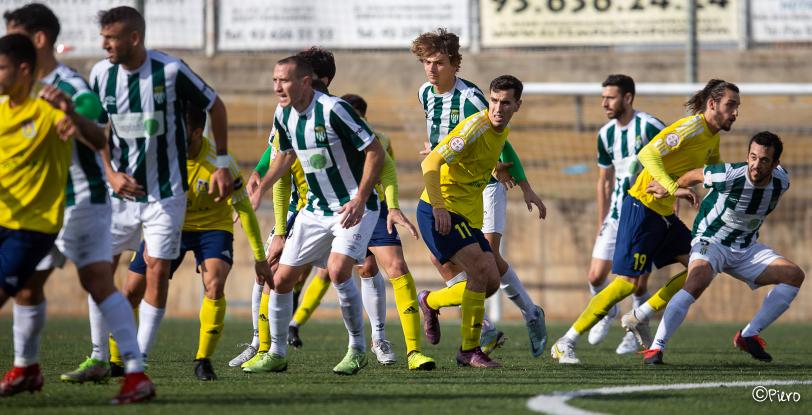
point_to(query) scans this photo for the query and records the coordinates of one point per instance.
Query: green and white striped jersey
(445, 111)
(86, 183)
(618, 147)
(329, 139)
(148, 130)
(733, 210)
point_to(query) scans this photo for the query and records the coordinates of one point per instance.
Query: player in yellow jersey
(35, 154)
(450, 212)
(208, 232)
(649, 231)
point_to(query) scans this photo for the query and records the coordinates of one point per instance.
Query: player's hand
(396, 217)
(657, 190)
(530, 199)
(263, 271)
(256, 199)
(352, 211)
(689, 195)
(252, 186)
(502, 174)
(65, 128)
(56, 98)
(221, 184)
(442, 220)
(426, 149)
(275, 249)
(125, 185)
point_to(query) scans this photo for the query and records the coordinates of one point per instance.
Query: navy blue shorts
(645, 237)
(380, 236)
(20, 252)
(204, 244)
(443, 247)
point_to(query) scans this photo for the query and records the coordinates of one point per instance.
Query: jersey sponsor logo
(315, 160)
(457, 144)
(741, 221)
(29, 129)
(321, 134)
(138, 124)
(159, 94)
(455, 115)
(672, 139)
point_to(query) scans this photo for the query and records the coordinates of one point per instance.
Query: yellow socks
(406, 303)
(600, 304)
(446, 297)
(212, 320)
(263, 328)
(311, 299)
(115, 355)
(660, 299)
(473, 311)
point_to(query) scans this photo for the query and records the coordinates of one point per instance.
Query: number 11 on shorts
(463, 229)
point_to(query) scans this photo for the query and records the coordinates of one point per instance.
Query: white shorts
(605, 242)
(745, 266)
(314, 237)
(161, 221)
(84, 238)
(494, 201)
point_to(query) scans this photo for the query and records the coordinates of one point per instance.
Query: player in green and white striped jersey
(447, 100)
(143, 93)
(619, 141)
(342, 161)
(725, 240)
(85, 236)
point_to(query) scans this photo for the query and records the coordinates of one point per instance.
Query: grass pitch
(698, 353)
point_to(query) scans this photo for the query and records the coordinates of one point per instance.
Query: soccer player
(35, 153)
(450, 211)
(726, 240)
(619, 140)
(143, 93)
(207, 232)
(649, 230)
(85, 236)
(448, 99)
(324, 69)
(385, 246)
(342, 161)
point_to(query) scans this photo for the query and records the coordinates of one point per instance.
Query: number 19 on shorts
(639, 261)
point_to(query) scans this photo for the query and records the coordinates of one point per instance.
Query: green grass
(698, 353)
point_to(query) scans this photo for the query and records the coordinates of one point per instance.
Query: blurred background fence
(234, 44)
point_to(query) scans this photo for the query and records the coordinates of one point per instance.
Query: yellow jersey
(202, 212)
(682, 146)
(34, 163)
(471, 151)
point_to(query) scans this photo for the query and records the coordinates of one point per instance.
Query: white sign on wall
(781, 20)
(357, 24)
(175, 24)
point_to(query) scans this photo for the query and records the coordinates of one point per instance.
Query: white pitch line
(556, 403)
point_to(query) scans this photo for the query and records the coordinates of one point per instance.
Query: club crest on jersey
(321, 134)
(29, 129)
(672, 139)
(457, 144)
(159, 94)
(202, 186)
(455, 116)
